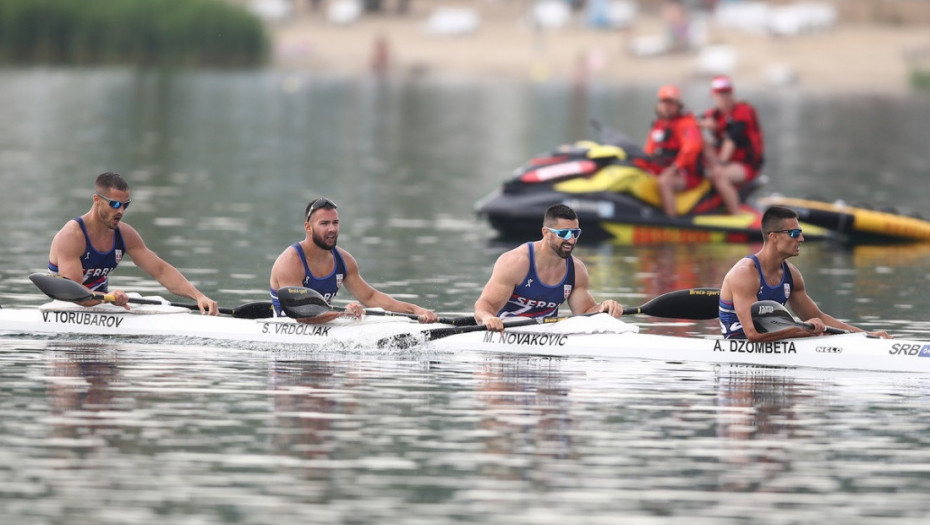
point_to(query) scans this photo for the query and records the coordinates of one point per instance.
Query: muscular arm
(66, 252)
(805, 308)
(368, 296)
(287, 270)
(507, 273)
(161, 271)
(582, 302)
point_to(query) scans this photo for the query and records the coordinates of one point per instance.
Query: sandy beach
(847, 58)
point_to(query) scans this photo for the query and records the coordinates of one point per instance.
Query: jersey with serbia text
(328, 286)
(97, 265)
(729, 322)
(532, 298)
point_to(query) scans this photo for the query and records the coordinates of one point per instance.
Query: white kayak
(599, 336)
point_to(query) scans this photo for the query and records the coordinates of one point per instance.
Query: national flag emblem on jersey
(787, 290)
(567, 290)
(338, 280)
(119, 255)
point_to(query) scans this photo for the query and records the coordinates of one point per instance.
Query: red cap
(721, 84)
(669, 92)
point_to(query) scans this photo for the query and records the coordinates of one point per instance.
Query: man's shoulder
(686, 121)
(742, 275)
(743, 108)
(514, 254)
(514, 260)
(745, 264)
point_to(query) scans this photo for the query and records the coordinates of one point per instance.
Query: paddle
(64, 289)
(302, 303)
(693, 303)
(771, 316)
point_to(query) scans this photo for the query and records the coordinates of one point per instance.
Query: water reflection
(307, 397)
(80, 391)
(526, 411)
(757, 421)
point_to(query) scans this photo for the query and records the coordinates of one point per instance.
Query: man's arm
(66, 251)
(692, 143)
(164, 273)
(370, 297)
(806, 308)
(582, 302)
(287, 270)
(507, 273)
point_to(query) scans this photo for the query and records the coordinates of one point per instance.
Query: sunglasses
(115, 204)
(566, 233)
(322, 202)
(794, 233)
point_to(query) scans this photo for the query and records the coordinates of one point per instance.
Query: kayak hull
(599, 336)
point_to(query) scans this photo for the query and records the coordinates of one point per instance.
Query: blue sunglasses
(566, 233)
(794, 233)
(115, 204)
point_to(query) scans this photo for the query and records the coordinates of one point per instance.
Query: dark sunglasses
(566, 233)
(115, 204)
(322, 202)
(794, 233)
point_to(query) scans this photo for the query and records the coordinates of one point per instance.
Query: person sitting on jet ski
(675, 145)
(736, 152)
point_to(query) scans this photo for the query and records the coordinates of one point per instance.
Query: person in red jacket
(675, 145)
(735, 155)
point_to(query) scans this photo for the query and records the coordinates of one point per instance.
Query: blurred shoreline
(847, 58)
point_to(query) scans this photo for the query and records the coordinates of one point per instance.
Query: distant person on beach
(767, 275)
(735, 153)
(88, 248)
(675, 146)
(532, 280)
(316, 262)
(677, 25)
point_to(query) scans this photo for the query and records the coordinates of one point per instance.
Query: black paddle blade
(300, 303)
(693, 303)
(770, 316)
(257, 310)
(60, 288)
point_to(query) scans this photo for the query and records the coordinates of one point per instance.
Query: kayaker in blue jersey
(316, 262)
(768, 275)
(533, 279)
(89, 247)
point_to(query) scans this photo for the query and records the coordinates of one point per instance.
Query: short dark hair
(559, 211)
(316, 204)
(110, 180)
(773, 216)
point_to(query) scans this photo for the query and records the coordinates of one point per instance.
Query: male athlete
(767, 275)
(316, 262)
(532, 280)
(89, 247)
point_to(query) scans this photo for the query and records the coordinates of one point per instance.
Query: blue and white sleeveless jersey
(729, 322)
(532, 298)
(327, 286)
(97, 265)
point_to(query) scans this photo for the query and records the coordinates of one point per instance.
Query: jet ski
(616, 200)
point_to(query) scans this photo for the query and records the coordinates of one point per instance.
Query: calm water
(221, 167)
